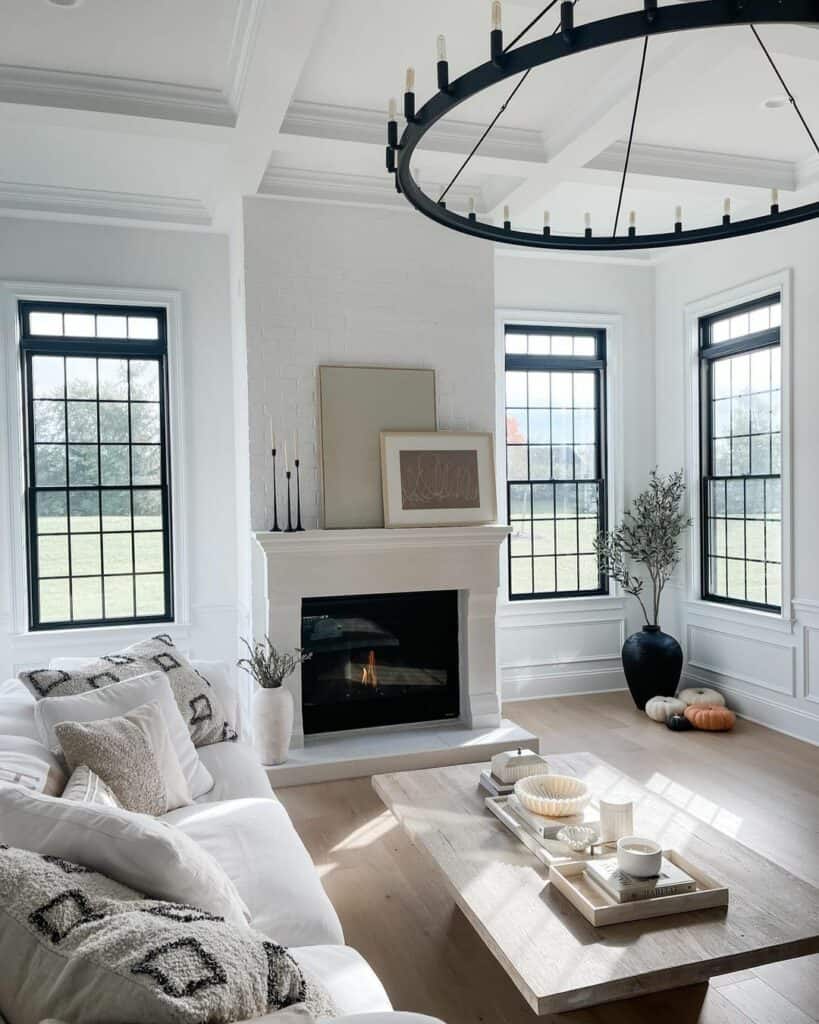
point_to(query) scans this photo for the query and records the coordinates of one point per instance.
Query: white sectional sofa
(244, 826)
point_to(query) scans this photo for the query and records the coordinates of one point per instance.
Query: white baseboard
(789, 720)
(533, 681)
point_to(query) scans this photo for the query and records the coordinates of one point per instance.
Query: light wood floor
(756, 785)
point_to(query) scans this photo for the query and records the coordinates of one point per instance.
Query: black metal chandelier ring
(570, 39)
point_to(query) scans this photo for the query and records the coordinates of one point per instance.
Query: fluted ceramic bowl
(553, 796)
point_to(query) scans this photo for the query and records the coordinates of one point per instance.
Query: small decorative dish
(553, 796)
(577, 837)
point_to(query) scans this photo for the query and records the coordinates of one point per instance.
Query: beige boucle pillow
(133, 756)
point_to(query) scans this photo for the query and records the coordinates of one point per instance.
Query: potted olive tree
(272, 702)
(649, 535)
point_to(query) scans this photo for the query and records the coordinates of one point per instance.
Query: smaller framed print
(437, 478)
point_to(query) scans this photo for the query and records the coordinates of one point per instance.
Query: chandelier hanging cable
(512, 60)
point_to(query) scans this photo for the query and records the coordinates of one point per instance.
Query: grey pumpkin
(678, 723)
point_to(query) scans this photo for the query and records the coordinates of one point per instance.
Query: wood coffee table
(558, 961)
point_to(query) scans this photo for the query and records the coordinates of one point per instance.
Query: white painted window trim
(612, 323)
(780, 281)
(12, 292)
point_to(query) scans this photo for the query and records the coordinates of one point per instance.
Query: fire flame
(369, 677)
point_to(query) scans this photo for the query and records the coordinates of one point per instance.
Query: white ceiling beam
(596, 124)
(284, 39)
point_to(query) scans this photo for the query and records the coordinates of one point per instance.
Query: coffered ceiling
(168, 112)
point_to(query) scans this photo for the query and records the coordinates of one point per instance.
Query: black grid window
(740, 424)
(97, 464)
(555, 460)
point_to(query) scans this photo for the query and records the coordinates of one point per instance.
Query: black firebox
(379, 659)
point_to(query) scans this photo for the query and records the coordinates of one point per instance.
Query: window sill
(107, 636)
(747, 617)
(541, 609)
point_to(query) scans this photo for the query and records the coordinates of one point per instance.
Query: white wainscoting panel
(765, 664)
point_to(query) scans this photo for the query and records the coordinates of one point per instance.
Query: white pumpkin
(662, 708)
(701, 695)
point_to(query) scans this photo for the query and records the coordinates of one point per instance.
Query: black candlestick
(275, 528)
(289, 518)
(299, 527)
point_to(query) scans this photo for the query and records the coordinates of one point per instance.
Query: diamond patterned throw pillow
(196, 699)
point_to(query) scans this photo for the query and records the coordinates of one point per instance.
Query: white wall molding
(697, 165)
(790, 719)
(49, 200)
(782, 677)
(357, 124)
(112, 94)
(533, 682)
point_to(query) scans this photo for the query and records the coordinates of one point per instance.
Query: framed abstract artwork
(440, 478)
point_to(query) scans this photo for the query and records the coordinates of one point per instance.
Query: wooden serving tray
(601, 909)
(547, 851)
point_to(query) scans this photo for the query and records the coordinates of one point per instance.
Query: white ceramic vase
(272, 723)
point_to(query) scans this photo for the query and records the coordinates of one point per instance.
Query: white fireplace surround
(331, 563)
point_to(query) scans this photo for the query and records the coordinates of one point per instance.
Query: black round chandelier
(567, 38)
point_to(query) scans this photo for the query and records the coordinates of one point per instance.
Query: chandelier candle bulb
(726, 211)
(632, 223)
(472, 208)
(443, 66)
(774, 200)
(409, 95)
(587, 225)
(496, 35)
(507, 221)
(678, 219)
(547, 229)
(392, 123)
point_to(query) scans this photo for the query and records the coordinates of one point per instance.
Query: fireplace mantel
(324, 563)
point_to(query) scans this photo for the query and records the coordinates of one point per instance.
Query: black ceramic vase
(652, 662)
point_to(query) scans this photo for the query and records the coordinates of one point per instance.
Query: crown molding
(356, 124)
(368, 190)
(24, 199)
(698, 165)
(112, 94)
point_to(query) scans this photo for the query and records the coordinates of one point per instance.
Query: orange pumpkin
(711, 717)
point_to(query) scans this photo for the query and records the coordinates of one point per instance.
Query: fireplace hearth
(380, 660)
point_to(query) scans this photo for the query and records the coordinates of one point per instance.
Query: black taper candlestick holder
(299, 527)
(275, 528)
(289, 528)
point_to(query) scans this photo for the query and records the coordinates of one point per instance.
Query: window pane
(88, 598)
(51, 512)
(539, 389)
(584, 346)
(78, 325)
(143, 327)
(85, 511)
(49, 421)
(520, 505)
(515, 388)
(81, 376)
(515, 343)
(114, 422)
(83, 469)
(150, 595)
(116, 510)
(544, 537)
(561, 345)
(566, 573)
(119, 597)
(82, 421)
(545, 575)
(115, 467)
(517, 464)
(540, 344)
(113, 378)
(521, 582)
(520, 540)
(48, 376)
(55, 603)
(540, 464)
(85, 554)
(52, 555)
(516, 427)
(46, 324)
(117, 553)
(144, 380)
(112, 327)
(49, 465)
(539, 426)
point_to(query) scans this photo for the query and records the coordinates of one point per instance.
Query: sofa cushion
(236, 772)
(255, 843)
(346, 977)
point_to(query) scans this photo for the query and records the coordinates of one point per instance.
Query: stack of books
(625, 888)
(493, 786)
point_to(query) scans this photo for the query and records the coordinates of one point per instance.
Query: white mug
(616, 819)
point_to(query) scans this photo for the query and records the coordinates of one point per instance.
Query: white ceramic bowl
(553, 796)
(639, 857)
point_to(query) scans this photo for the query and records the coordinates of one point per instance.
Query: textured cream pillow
(88, 788)
(118, 699)
(133, 755)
